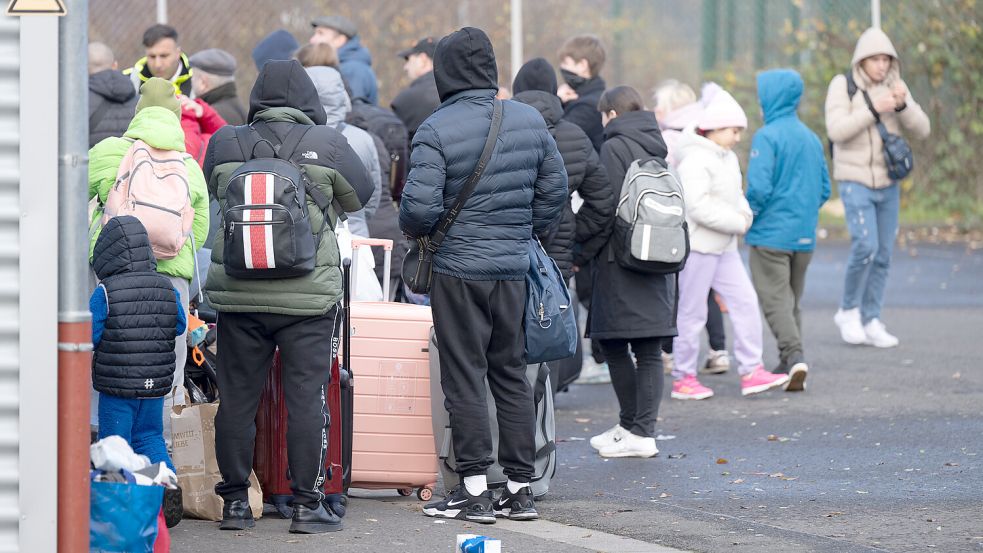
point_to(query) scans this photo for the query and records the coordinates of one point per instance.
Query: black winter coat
(583, 111)
(384, 223)
(383, 123)
(135, 355)
(627, 304)
(112, 103)
(225, 100)
(414, 104)
(524, 186)
(576, 238)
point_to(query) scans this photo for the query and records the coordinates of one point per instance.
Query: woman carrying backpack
(717, 213)
(870, 196)
(630, 308)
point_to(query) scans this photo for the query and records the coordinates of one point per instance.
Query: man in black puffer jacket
(479, 291)
(112, 100)
(576, 238)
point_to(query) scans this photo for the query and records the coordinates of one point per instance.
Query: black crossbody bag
(897, 153)
(418, 264)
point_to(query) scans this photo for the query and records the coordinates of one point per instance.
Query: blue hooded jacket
(356, 68)
(788, 180)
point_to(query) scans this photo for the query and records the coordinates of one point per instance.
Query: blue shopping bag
(123, 517)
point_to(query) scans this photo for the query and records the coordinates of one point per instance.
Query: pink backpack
(152, 185)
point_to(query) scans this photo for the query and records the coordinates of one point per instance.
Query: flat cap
(215, 61)
(423, 46)
(341, 24)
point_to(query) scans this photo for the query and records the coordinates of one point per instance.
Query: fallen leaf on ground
(722, 461)
(582, 421)
(957, 376)
(833, 514)
(772, 438)
(738, 481)
(952, 464)
(664, 495)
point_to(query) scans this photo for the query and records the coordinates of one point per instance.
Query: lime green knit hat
(158, 92)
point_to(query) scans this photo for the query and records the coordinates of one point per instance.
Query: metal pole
(74, 319)
(516, 36)
(708, 46)
(162, 11)
(875, 13)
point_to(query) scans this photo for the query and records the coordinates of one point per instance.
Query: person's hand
(566, 93)
(885, 103)
(900, 94)
(576, 269)
(191, 105)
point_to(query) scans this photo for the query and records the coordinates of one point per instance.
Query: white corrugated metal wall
(9, 280)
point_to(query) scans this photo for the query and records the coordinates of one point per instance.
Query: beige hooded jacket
(858, 151)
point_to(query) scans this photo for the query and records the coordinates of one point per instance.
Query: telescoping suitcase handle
(387, 245)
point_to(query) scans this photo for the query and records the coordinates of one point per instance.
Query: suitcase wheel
(405, 492)
(424, 494)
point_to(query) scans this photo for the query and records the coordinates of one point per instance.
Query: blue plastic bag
(551, 328)
(123, 517)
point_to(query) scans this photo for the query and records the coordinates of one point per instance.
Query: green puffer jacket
(160, 128)
(318, 153)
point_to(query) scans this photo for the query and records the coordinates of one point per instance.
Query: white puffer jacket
(716, 210)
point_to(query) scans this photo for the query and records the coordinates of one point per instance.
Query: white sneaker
(718, 362)
(668, 363)
(609, 437)
(630, 446)
(851, 329)
(878, 336)
(594, 373)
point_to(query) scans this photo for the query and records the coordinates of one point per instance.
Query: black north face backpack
(268, 232)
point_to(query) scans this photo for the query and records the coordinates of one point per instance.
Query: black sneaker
(797, 372)
(461, 505)
(236, 515)
(516, 506)
(173, 506)
(314, 521)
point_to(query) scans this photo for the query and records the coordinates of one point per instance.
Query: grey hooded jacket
(331, 91)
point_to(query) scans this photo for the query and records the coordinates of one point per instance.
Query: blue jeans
(872, 219)
(138, 421)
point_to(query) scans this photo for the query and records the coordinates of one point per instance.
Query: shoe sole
(315, 527)
(677, 395)
(881, 346)
(459, 515)
(237, 524)
(763, 387)
(797, 378)
(623, 454)
(714, 370)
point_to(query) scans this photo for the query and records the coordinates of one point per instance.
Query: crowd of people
(558, 164)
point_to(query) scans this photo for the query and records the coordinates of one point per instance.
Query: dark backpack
(387, 126)
(851, 91)
(268, 232)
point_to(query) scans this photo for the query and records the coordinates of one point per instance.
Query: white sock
(476, 485)
(514, 486)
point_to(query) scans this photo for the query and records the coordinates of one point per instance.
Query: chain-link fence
(939, 42)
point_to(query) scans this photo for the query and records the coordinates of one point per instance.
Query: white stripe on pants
(724, 273)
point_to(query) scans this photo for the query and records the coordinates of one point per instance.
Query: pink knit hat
(722, 112)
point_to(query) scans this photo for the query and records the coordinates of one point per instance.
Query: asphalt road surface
(883, 452)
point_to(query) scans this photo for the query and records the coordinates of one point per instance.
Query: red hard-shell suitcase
(270, 457)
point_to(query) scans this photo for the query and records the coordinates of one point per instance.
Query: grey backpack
(650, 232)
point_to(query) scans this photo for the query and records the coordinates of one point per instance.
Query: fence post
(760, 19)
(709, 44)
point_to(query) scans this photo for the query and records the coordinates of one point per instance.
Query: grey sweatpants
(779, 278)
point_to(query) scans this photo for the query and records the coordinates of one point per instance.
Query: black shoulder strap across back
(448, 219)
(851, 84)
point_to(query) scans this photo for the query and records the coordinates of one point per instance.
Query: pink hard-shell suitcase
(393, 445)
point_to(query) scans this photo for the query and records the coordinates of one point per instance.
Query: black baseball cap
(423, 46)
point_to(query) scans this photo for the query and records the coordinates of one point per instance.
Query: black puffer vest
(135, 356)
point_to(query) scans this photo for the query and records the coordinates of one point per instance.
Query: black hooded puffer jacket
(524, 186)
(135, 355)
(576, 238)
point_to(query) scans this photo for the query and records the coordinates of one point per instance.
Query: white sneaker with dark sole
(608, 437)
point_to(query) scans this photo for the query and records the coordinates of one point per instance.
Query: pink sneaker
(761, 381)
(689, 387)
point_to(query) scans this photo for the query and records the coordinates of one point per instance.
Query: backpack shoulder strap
(292, 141)
(851, 84)
(247, 143)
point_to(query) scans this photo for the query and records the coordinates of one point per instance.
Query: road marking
(586, 538)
